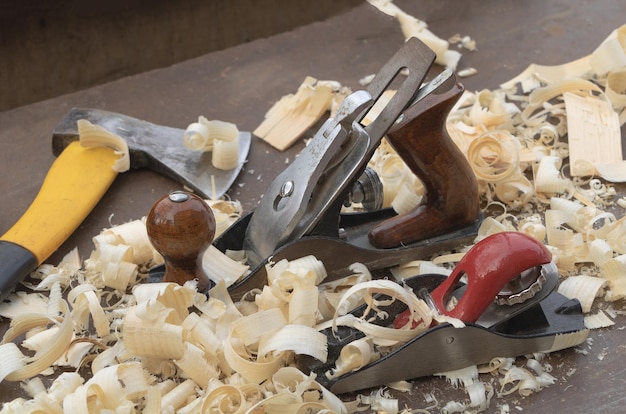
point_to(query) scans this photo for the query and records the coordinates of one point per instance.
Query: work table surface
(241, 83)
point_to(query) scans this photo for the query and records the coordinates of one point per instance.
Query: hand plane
(507, 304)
(300, 213)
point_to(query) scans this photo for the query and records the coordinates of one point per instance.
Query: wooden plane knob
(181, 226)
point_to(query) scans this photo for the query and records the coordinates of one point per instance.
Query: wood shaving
(598, 320)
(91, 135)
(464, 73)
(294, 114)
(221, 138)
(464, 41)
(593, 135)
(414, 27)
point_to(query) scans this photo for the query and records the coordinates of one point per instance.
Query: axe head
(157, 147)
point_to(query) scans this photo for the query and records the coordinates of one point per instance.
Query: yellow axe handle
(76, 181)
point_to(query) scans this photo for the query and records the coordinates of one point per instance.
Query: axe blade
(157, 147)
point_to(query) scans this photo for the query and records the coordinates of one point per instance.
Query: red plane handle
(489, 265)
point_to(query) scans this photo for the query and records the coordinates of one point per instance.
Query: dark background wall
(52, 47)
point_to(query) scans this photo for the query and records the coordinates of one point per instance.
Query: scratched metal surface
(239, 84)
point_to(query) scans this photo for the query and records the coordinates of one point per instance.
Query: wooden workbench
(239, 85)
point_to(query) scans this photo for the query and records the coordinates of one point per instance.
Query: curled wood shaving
(225, 154)
(598, 320)
(331, 293)
(113, 388)
(220, 267)
(421, 316)
(417, 267)
(381, 401)
(20, 367)
(226, 212)
(523, 381)
(494, 156)
(402, 190)
(614, 272)
(609, 55)
(616, 91)
(91, 135)
(465, 41)
(197, 137)
(413, 27)
(477, 391)
(584, 288)
(221, 138)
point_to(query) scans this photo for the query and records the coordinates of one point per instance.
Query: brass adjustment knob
(181, 226)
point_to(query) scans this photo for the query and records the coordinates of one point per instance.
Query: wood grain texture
(181, 226)
(424, 145)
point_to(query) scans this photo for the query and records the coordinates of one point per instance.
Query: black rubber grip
(16, 262)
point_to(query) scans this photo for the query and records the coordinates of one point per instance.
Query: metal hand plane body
(496, 322)
(300, 213)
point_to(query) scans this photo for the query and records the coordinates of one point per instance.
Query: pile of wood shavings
(515, 139)
(147, 351)
(161, 347)
(172, 378)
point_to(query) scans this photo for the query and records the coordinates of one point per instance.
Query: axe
(80, 176)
